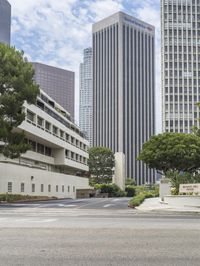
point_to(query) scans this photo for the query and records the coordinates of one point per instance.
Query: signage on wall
(136, 23)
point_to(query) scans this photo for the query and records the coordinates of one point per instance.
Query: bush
(137, 200)
(130, 190)
(142, 193)
(112, 190)
(177, 178)
(17, 197)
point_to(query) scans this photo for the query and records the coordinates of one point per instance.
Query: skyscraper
(57, 83)
(5, 21)
(123, 87)
(85, 107)
(180, 28)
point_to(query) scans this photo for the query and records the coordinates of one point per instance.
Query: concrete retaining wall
(183, 201)
(61, 185)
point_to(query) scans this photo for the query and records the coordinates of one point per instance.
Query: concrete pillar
(120, 170)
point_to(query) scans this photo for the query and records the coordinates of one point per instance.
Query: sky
(55, 32)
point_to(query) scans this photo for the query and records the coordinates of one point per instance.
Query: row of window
(192, 7)
(185, 57)
(182, 89)
(49, 188)
(42, 149)
(75, 157)
(48, 127)
(184, 82)
(186, 66)
(182, 98)
(53, 114)
(180, 123)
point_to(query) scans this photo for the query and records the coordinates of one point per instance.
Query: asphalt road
(96, 232)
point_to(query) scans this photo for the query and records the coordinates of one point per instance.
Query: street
(96, 232)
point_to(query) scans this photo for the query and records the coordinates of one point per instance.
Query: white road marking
(108, 205)
(116, 199)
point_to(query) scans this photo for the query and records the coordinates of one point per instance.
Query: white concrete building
(180, 28)
(58, 156)
(86, 95)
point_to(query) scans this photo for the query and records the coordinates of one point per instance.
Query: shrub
(112, 190)
(138, 199)
(130, 190)
(17, 197)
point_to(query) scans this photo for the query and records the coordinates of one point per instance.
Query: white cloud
(56, 32)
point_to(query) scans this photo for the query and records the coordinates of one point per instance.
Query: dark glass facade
(5, 21)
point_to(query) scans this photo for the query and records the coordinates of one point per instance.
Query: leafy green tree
(172, 151)
(101, 162)
(16, 86)
(130, 182)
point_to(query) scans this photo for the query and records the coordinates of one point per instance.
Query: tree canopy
(16, 86)
(101, 162)
(172, 151)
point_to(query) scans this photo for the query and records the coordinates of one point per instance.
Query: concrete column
(120, 170)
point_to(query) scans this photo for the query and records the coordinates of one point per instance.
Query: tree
(101, 162)
(172, 151)
(16, 86)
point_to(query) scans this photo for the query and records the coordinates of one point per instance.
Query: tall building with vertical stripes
(180, 31)
(5, 21)
(86, 99)
(124, 89)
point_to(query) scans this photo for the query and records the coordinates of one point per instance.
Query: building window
(56, 188)
(55, 130)
(67, 137)
(61, 134)
(49, 188)
(33, 187)
(74, 188)
(42, 187)
(63, 188)
(47, 126)
(48, 151)
(68, 188)
(33, 145)
(22, 187)
(40, 148)
(40, 121)
(9, 187)
(30, 116)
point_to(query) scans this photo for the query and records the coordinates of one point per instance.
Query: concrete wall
(183, 201)
(18, 174)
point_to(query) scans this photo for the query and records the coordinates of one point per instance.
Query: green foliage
(16, 86)
(130, 190)
(172, 151)
(130, 182)
(101, 162)
(137, 200)
(142, 193)
(112, 190)
(17, 197)
(177, 178)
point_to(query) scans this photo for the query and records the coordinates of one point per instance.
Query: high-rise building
(85, 107)
(5, 21)
(124, 88)
(57, 83)
(180, 28)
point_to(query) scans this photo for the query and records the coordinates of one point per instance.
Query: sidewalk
(155, 204)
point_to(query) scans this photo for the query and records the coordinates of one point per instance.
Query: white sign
(189, 188)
